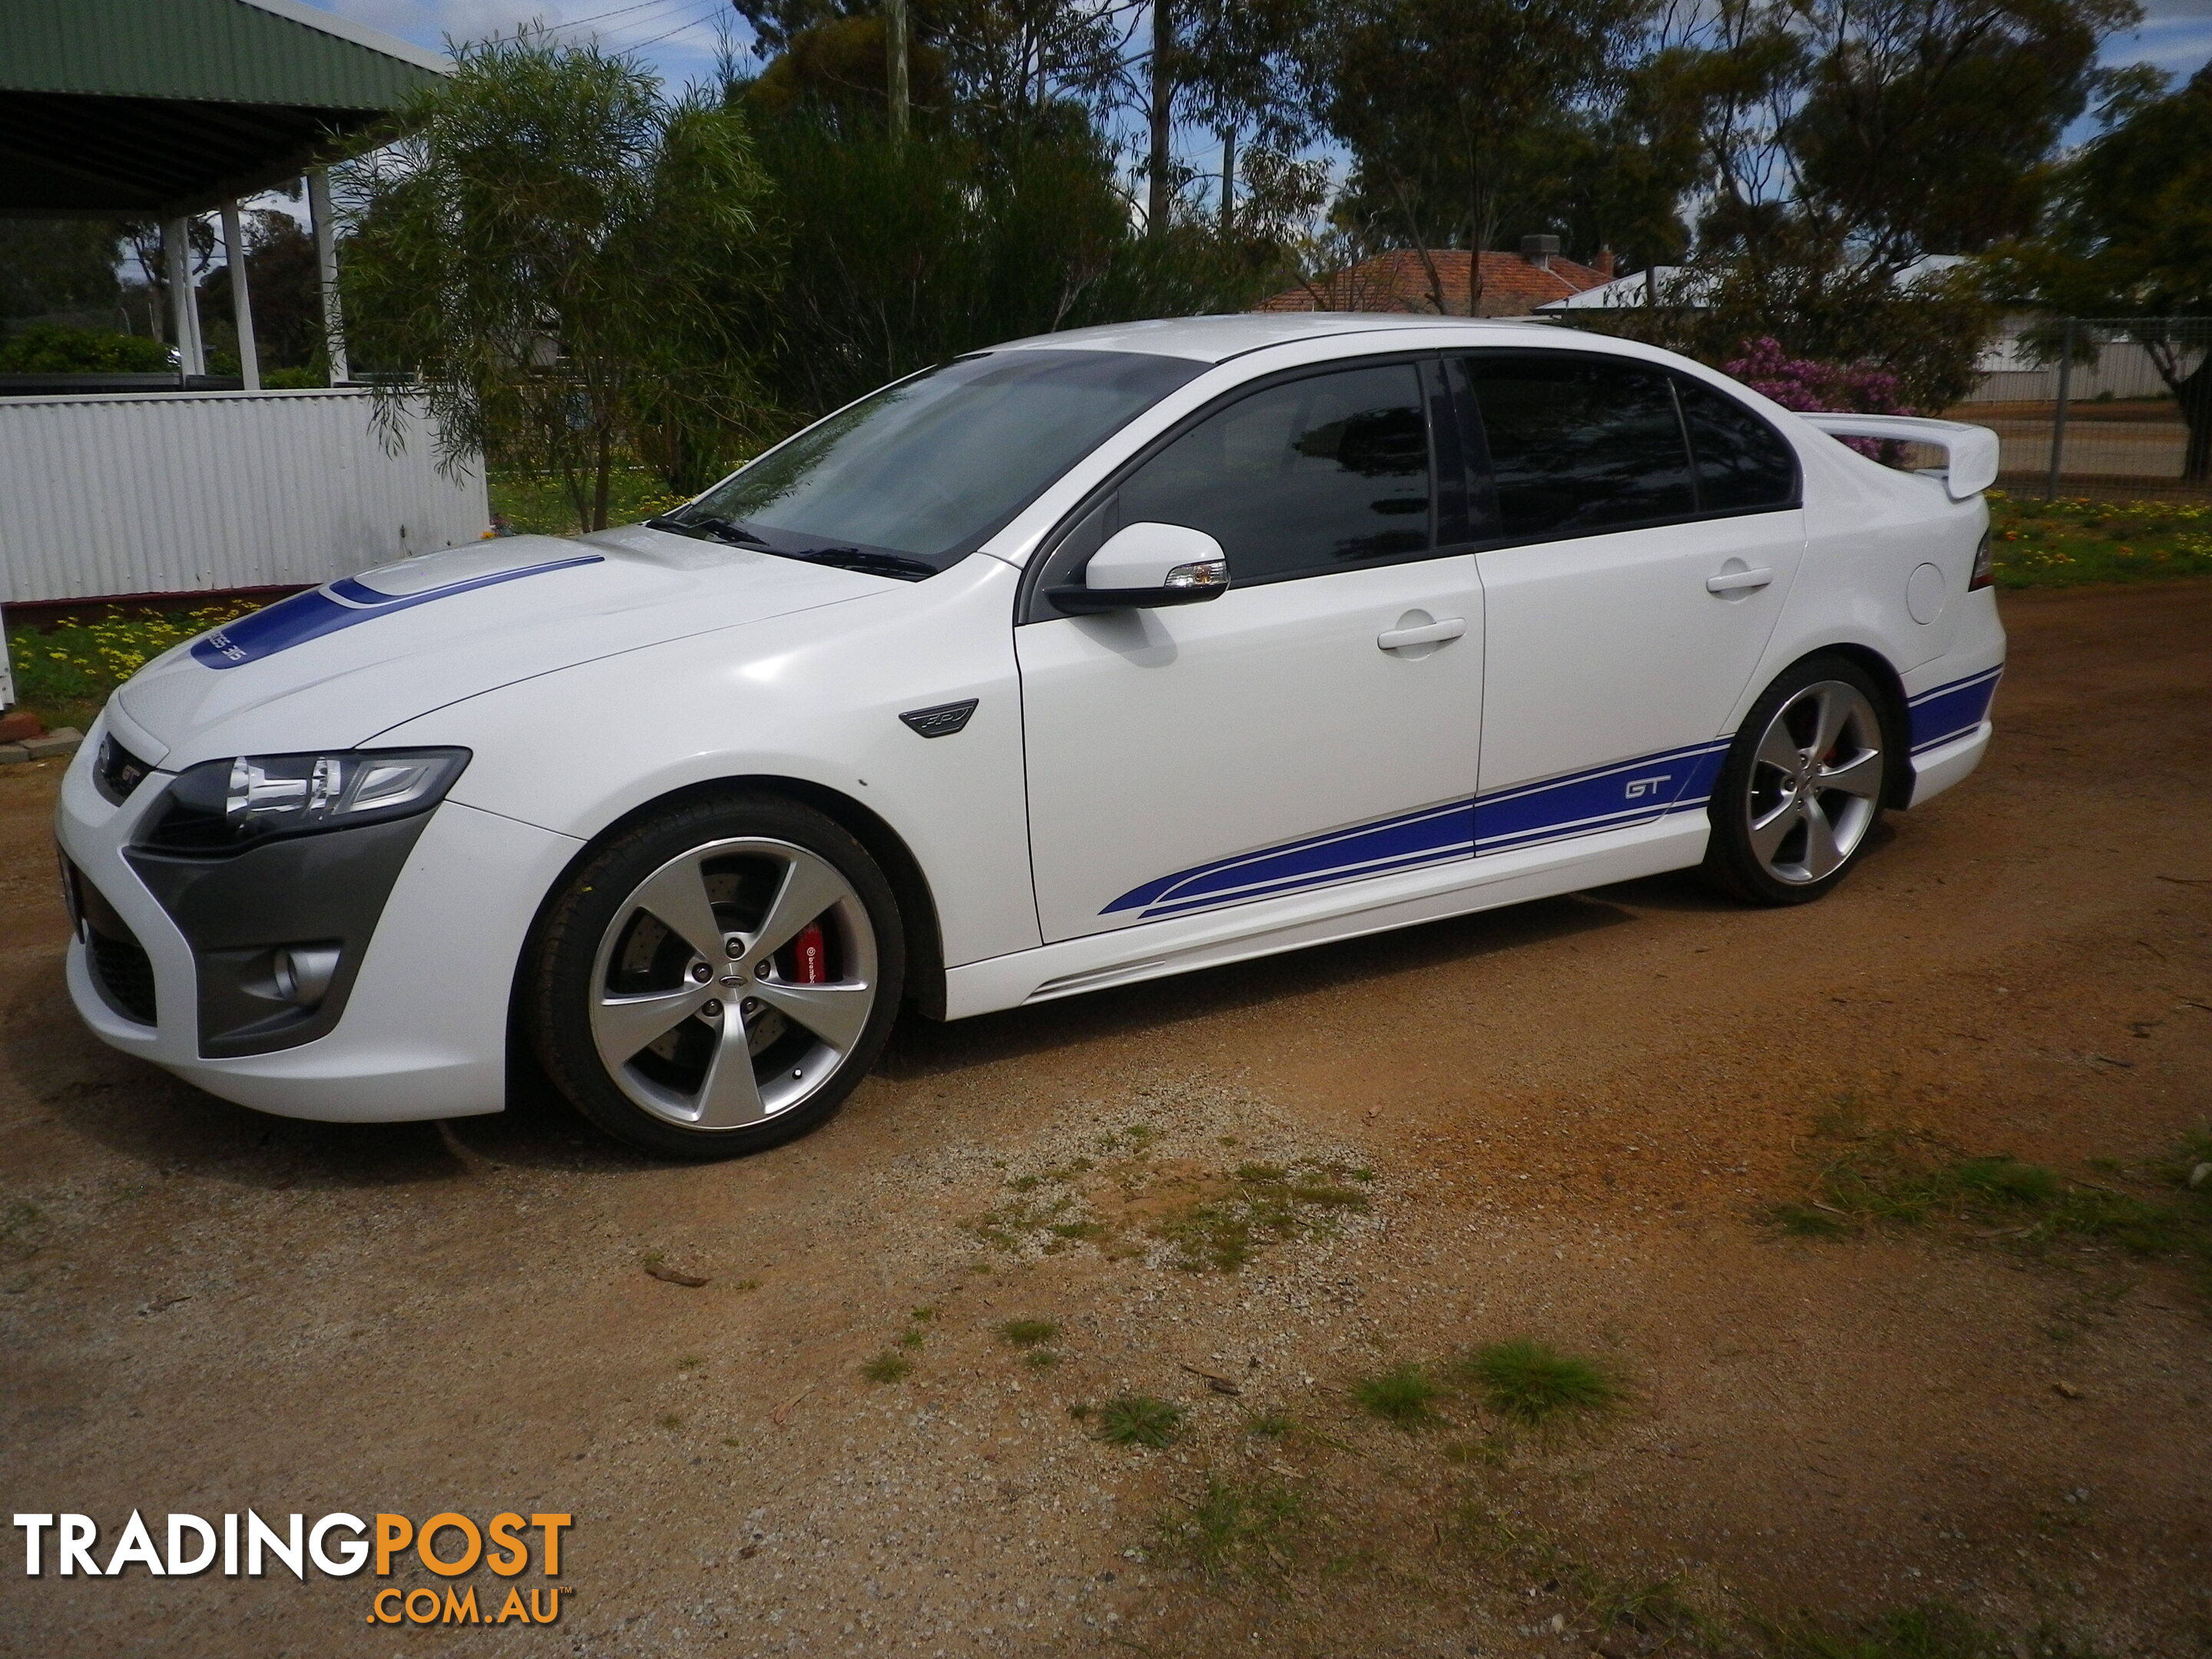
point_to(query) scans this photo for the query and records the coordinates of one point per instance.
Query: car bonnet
(335, 665)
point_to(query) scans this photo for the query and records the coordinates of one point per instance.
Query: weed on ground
(1129, 1200)
(1892, 1177)
(1527, 1382)
(1132, 1419)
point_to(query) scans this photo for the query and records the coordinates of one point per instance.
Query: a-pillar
(326, 268)
(184, 311)
(241, 303)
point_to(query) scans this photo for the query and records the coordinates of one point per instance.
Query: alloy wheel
(733, 982)
(1816, 782)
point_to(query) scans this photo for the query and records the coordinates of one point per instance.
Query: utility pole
(894, 49)
(1156, 207)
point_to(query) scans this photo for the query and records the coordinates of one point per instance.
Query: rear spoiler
(1970, 452)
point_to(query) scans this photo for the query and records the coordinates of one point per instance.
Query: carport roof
(149, 109)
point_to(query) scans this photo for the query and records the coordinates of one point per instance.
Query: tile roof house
(1513, 284)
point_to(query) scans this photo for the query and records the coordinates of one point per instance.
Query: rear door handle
(1435, 632)
(1735, 581)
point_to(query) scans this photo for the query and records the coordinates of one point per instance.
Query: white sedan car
(1089, 659)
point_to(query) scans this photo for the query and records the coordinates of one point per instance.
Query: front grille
(120, 970)
(125, 976)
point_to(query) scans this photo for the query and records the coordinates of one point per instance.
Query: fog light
(303, 972)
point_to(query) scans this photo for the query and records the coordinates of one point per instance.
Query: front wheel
(718, 978)
(1803, 787)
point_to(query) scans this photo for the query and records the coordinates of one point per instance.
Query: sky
(678, 37)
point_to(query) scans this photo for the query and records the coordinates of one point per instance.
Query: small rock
(2199, 1174)
(2068, 1389)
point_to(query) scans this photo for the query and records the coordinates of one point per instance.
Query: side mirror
(1145, 565)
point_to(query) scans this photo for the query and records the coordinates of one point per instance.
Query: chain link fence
(2101, 407)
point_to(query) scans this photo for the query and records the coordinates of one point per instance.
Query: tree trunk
(895, 51)
(1228, 182)
(2194, 394)
(1162, 114)
(603, 468)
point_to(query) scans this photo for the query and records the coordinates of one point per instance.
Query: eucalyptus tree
(554, 258)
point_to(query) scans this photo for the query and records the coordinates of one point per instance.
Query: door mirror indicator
(1144, 566)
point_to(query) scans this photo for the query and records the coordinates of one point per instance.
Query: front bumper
(423, 1030)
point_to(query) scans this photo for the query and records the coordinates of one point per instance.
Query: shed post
(184, 313)
(241, 303)
(326, 268)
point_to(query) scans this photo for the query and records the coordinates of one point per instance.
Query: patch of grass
(1405, 1396)
(1041, 1358)
(888, 1368)
(1028, 1333)
(690, 1362)
(1934, 1630)
(670, 1421)
(1266, 1204)
(1232, 1527)
(1271, 1426)
(1528, 1383)
(1143, 1205)
(1888, 1176)
(2075, 540)
(1136, 1420)
(911, 1338)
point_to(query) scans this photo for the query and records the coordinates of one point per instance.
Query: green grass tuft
(1136, 1419)
(1028, 1333)
(1404, 1396)
(888, 1368)
(1234, 1526)
(1529, 1382)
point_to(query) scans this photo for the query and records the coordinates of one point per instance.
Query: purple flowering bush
(1806, 383)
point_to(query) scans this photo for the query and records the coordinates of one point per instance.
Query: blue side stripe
(1580, 804)
(1615, 796)
(343, 604)
(1953, 710)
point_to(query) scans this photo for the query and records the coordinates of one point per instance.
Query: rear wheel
(720, 978)
(1803, 786)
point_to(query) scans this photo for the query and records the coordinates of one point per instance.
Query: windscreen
(932, 466)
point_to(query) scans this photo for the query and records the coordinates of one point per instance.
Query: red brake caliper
(809, 956)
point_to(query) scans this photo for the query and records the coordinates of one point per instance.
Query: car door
(1288, 734)
(1646, 532)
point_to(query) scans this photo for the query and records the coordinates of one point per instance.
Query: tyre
(718, 978)
(1803, 787)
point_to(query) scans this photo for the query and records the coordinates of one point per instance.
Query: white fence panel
(185, 492)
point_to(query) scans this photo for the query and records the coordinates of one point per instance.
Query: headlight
(223, 806)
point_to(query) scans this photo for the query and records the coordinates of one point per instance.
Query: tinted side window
(1319, 474)
(1743, 463)
(1580, 444)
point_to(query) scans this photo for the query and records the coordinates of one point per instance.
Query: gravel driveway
(1246, 1194)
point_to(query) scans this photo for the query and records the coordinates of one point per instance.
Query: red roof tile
(1402, 280)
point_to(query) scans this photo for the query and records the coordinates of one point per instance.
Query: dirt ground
(1563, 1122)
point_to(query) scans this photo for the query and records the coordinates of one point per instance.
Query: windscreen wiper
(720, 530)
(874, 563)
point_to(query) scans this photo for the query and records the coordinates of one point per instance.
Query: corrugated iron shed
(156, 108)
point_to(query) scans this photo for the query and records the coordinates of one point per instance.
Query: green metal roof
(151, 106)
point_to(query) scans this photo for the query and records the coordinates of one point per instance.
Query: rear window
(1580, 444)
(932, 466)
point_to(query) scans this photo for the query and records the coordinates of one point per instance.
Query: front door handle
(1435, 632)
(1736, 581)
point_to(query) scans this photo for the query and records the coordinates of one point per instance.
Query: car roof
(1216, 340)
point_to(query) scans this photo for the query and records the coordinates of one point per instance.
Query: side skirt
(1265, 927)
